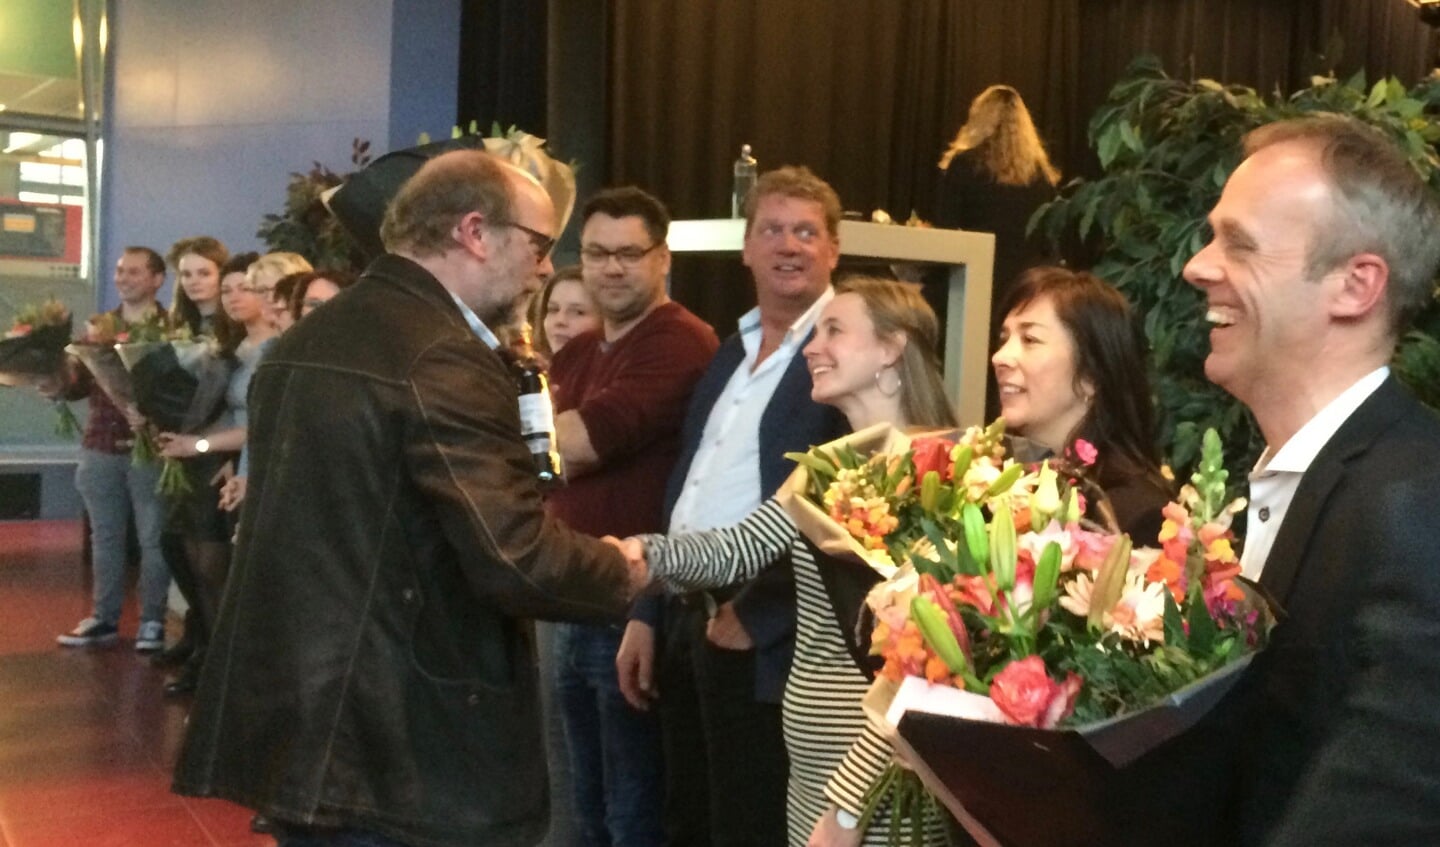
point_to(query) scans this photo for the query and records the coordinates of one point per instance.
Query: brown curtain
(868, 92)
(864, 92)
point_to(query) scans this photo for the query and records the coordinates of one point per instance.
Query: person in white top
(719, 672)
(1324, 249)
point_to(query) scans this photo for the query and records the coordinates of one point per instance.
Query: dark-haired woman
(1069, 367)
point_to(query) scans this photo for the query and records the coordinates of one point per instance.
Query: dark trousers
(725, 762)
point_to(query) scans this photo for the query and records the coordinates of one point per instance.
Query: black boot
(179, 653)
(187, 680)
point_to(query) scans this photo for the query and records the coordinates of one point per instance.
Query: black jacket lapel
(1379, 411)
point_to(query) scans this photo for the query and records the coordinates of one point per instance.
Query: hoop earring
(880, 382)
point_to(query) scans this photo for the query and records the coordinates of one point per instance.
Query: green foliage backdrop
(1167, 147)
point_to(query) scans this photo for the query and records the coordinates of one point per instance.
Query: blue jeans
(615, 755)
(112, 489)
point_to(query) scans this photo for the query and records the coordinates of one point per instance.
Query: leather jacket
(372, 666)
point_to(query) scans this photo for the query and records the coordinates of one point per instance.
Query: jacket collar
(1356, 436)
(414, 279)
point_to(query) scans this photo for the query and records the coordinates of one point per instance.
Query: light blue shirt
(477, 326)
(723, 485)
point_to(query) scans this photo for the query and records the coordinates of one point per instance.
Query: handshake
(634, 552)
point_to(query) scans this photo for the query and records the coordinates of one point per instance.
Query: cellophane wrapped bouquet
(33, 350)
(1004, 601)
(178, 382)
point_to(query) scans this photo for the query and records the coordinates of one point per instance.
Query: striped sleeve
(724, 556)
(860, 770)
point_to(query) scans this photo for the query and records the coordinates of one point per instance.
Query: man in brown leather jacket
(371, 679)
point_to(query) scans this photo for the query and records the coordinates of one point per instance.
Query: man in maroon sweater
(621, 393)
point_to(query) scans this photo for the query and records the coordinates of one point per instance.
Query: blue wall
(214, 103)
(210, 104)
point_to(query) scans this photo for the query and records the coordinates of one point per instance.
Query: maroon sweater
(632, 396)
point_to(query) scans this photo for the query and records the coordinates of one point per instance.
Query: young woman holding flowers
(197, 262)
(873, 357)
(1072, 380)
(206, 528)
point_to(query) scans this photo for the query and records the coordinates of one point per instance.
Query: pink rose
(1027, 696)
(933, 454)
(1085, 451)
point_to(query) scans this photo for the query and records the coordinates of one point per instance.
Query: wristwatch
(846, 820)
(202, 445)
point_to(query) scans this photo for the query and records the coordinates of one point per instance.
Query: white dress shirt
(723, 485)
(1277, 474)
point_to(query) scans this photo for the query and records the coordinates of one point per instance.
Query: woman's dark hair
(299, 284)
(1109, 355)
(228, 333)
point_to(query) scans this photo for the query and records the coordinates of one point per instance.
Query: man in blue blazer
(724, 656)
(1325, 246)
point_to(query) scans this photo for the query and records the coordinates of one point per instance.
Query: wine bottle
(537, 411)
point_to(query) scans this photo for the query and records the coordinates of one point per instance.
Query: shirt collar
(749, 323)
(477, 326)
(1296, 455)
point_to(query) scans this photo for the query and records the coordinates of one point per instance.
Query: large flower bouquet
(1010, 602)
(178, 383)
(32, 351)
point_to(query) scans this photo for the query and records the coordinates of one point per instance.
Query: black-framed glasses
(542, 243)
(598, 257)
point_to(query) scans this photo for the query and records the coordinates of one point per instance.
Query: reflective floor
(87, 739)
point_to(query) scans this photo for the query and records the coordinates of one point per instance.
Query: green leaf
(1202, 629)
(1377, 94)
(1108, 146)
(1175, 635)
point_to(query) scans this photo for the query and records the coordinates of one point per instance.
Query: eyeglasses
(542, 243)
(628, 257)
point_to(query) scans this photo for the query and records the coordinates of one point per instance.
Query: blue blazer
(791, 422)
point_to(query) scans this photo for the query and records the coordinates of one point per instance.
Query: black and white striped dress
(835, 755)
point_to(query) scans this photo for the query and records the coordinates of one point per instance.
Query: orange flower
(1169, 572)
(936, 670)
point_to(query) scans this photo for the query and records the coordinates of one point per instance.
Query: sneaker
(90, 632)
(150, 637)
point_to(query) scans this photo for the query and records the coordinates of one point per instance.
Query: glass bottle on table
(745, 171)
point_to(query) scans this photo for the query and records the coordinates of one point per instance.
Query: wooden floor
(87, 739)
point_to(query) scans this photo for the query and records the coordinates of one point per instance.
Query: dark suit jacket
(1341, 740)
(791, 422)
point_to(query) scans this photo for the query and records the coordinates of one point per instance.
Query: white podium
(970, 255)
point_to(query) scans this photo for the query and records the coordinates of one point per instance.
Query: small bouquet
(33, 350)
(178, 383)
(1022, 622)
(96, 350)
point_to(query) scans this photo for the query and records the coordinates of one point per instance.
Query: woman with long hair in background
(993, 177)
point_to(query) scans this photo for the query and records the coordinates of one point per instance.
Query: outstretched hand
(634, 553)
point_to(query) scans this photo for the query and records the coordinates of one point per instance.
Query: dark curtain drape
(868, 92)
(502, 64)
(863, 92)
